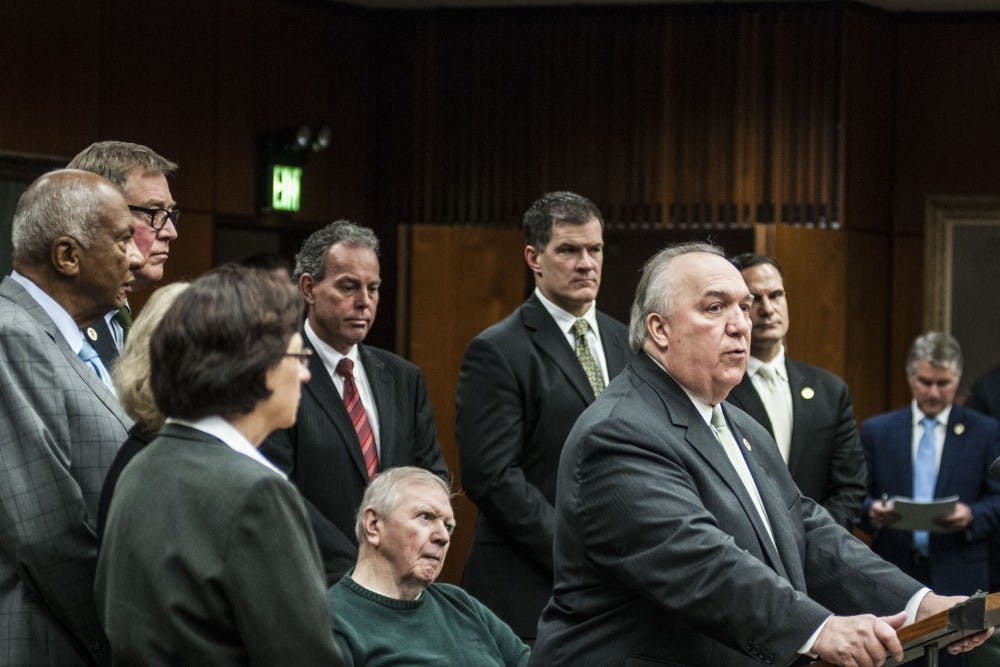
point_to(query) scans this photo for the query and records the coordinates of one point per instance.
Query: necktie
(776, 406)
(99, 336)
(90, 357)
(352, 401)
(590, 365)
(924, 476)
(728, 442)
(124, 318)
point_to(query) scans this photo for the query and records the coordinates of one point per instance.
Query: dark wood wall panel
(658, 114)
(461, 280)
(51, 69)
(946, 143)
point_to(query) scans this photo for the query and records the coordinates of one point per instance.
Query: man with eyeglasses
(140, 173)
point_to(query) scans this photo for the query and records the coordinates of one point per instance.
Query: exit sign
(286, 186)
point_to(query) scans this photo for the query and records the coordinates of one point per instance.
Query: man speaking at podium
(681, 538)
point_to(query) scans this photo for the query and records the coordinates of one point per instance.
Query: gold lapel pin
(747, 445)
(959, 429)
(807, 393)
(91, 334)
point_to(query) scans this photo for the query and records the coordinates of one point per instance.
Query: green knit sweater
(444, 626)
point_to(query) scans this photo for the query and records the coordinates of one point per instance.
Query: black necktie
(99, 336)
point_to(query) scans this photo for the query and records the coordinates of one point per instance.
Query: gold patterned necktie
(590, 365)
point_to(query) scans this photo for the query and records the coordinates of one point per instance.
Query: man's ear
(306, 284)
(658, 330)
(531, 254)
(65, 254)
(372, 526)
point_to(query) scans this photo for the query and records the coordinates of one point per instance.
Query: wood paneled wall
(669, 115)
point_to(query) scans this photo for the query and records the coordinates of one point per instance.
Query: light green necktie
(590, 365)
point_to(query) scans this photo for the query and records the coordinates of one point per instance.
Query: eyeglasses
(304, 356)
(158, 216)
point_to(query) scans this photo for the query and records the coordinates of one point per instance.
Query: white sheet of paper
(920, 515)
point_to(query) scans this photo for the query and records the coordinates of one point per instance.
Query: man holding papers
(934, 450)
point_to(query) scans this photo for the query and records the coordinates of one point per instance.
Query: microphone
(995, 469)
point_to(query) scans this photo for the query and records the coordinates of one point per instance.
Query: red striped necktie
(352, 401)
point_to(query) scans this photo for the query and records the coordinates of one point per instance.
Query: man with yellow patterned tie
(805, 408)
(524, 381)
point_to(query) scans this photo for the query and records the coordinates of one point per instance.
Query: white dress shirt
(217, 427)
(565, 320)
(330, 358)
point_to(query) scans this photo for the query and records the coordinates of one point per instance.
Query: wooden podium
(926, 637)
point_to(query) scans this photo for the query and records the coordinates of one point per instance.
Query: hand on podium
(933, 604)
(860, 641)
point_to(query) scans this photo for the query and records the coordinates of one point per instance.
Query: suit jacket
(825, 456)
(520, 391)
(59, 430)
(986, 394)
(322, 455)
(958, 562)
(661, 557)
(208, 559)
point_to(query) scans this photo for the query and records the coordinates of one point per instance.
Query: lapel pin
(959, 429)
(91, 334)
(807, 393)
(747, 445)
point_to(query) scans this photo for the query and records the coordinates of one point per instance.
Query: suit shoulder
(885, 419)
(390, 359)
(816, 374)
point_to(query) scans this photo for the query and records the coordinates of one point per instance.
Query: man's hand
(933, 604)
(881, 514)
(958, 519)
(860, 641)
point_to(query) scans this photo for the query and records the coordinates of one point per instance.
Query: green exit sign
(286, 185)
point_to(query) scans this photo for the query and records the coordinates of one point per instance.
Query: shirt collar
(60, 317)
(564, 320)
(217, 427)
(916, 415)
(777, 365)
(327, 354)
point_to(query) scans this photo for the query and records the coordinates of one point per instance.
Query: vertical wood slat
(700, 111)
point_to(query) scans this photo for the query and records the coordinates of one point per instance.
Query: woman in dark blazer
(208, 557)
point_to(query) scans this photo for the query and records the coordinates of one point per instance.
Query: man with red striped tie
(365, 409)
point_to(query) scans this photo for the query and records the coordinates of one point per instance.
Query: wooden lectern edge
(934, 628)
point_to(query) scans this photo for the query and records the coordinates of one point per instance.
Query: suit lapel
(16, 293)
(702, 440)
(547, 337)
(322, 390)
(797, 382)
(952, 452)
(615, 349)
(382, 385)
(746, 397)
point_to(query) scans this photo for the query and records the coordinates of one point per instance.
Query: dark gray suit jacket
(59, 430)
(826, 459)
(322, 456)
(520, 391)
(661, 557)
(208, 559)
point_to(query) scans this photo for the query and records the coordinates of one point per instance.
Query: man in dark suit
(60, 421)
(806, 409)
(959, 445)
(680, 535)
(524, 381)
(364, 409)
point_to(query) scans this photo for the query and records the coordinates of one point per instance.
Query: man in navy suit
(364, 410)
(806, 409)
(522, 386)
(961, 445)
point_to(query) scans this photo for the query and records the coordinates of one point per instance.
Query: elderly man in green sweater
(388, 610)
